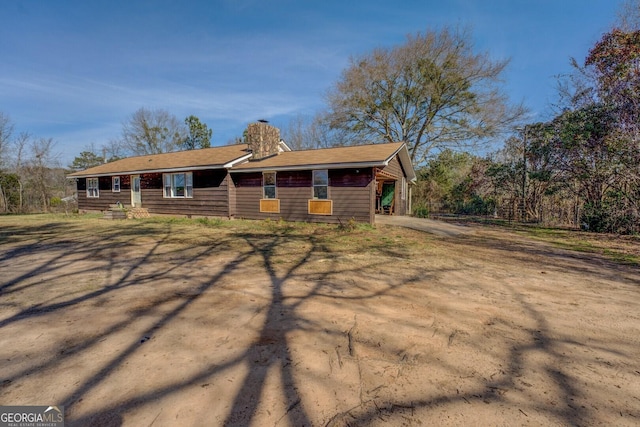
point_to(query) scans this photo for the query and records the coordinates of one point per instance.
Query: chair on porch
(388, 209)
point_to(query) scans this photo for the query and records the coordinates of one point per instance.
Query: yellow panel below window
(321, 207)
(270, 205)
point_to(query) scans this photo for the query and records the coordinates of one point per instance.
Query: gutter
(313, 166)
(139, 172)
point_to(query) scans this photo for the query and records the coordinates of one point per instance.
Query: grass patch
(347, 238)
(620, 249)
(291, 238)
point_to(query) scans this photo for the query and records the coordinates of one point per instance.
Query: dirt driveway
(144, 323)
(439, 228)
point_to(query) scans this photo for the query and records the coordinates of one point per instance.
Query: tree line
(32, 178)
(148, 131)
(445, 100)
(581, 168)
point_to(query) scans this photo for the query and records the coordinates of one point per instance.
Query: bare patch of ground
(273, 324)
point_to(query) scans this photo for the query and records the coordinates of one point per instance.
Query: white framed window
(321, 184)
(178, 185)
(115, 184)
(93, 189)
(269, 185)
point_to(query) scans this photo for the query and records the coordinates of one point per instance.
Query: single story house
(258, 180)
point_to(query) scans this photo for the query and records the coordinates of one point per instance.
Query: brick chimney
(263, 139)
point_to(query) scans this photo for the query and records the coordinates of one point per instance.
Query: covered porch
(385, 192)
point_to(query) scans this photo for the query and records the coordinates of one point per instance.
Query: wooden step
(115, 214)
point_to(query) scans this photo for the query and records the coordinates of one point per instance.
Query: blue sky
(75, 70)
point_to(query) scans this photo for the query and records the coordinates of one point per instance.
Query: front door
(136, 200)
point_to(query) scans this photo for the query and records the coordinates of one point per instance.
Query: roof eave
(237, 161)
(352, 165)
(141, 171)
(403, 154)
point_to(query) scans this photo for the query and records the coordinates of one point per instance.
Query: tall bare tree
(152, 132)
(433, 92)
(308, 132)
(629, 15)
(39, 172)
(6, 133)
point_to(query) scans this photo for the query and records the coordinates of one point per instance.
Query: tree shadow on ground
(269, 354)
(490, 391)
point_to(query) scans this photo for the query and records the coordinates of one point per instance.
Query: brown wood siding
(105, 198)
(125, 182)
(394, 167)
(210, 194)
(350, 190)
(150, 181)
(205, 202)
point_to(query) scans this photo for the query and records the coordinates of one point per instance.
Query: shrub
(421, 211)
(349, 226)
(209, 222)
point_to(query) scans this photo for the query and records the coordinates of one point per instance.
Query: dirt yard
(165, 323)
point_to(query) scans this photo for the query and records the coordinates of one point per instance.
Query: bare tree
(629, 15)
(296, 133)
(38, 173)
(307, 132)
(433, 92)
(6, 133)
(20, 146)
(152, 132)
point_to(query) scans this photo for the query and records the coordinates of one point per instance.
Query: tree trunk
(5, 208)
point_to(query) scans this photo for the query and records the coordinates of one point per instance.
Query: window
(321, 184)
(115, 184)
(93, 189)
(269, 185)
(178, 185)
(403, 189)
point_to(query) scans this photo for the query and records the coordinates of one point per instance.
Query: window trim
(274, 185)
(115, 188)
(168, 183)
(314, 185)
(93, 188)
